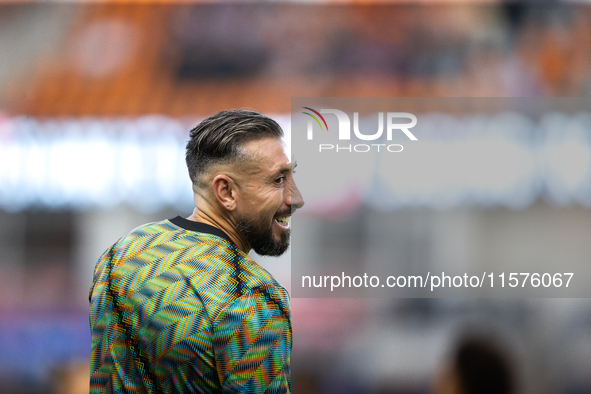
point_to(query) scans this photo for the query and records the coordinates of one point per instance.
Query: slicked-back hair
(219, 138)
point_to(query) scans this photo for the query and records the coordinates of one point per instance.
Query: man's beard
(260, 237)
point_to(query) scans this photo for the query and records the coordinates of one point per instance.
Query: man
(178, 306)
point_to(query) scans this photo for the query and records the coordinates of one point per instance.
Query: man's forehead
(268, 152)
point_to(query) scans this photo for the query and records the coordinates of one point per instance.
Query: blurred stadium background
(96, 101)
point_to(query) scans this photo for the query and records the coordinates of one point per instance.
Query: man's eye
(280, 180)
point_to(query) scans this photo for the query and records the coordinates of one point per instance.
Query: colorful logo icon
(315, 118)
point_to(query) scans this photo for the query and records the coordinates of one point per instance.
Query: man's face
(268, 196)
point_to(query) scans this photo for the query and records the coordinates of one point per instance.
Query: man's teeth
(283, 220)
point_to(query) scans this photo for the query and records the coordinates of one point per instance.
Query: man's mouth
(283, 221)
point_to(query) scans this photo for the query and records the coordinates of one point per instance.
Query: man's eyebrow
(283, 170)
(286, 168)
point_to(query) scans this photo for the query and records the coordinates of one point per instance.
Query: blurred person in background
(477, 367)
(178, 306)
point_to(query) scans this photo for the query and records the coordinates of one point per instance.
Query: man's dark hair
(483, 369)
(219, 138)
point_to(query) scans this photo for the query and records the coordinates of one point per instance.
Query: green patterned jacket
(175, 307)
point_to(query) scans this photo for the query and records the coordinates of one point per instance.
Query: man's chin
(275, 248)
(270, 239)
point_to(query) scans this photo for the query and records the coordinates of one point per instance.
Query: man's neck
(224, 225)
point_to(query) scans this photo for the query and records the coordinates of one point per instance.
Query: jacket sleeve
(100, 276)
(252, 341)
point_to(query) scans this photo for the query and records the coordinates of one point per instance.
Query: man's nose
(295, 198)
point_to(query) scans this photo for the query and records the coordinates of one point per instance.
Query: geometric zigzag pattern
(179, 311)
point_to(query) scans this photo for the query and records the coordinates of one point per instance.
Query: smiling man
(178, 306)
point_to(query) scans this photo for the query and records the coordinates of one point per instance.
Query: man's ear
(224, 190)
